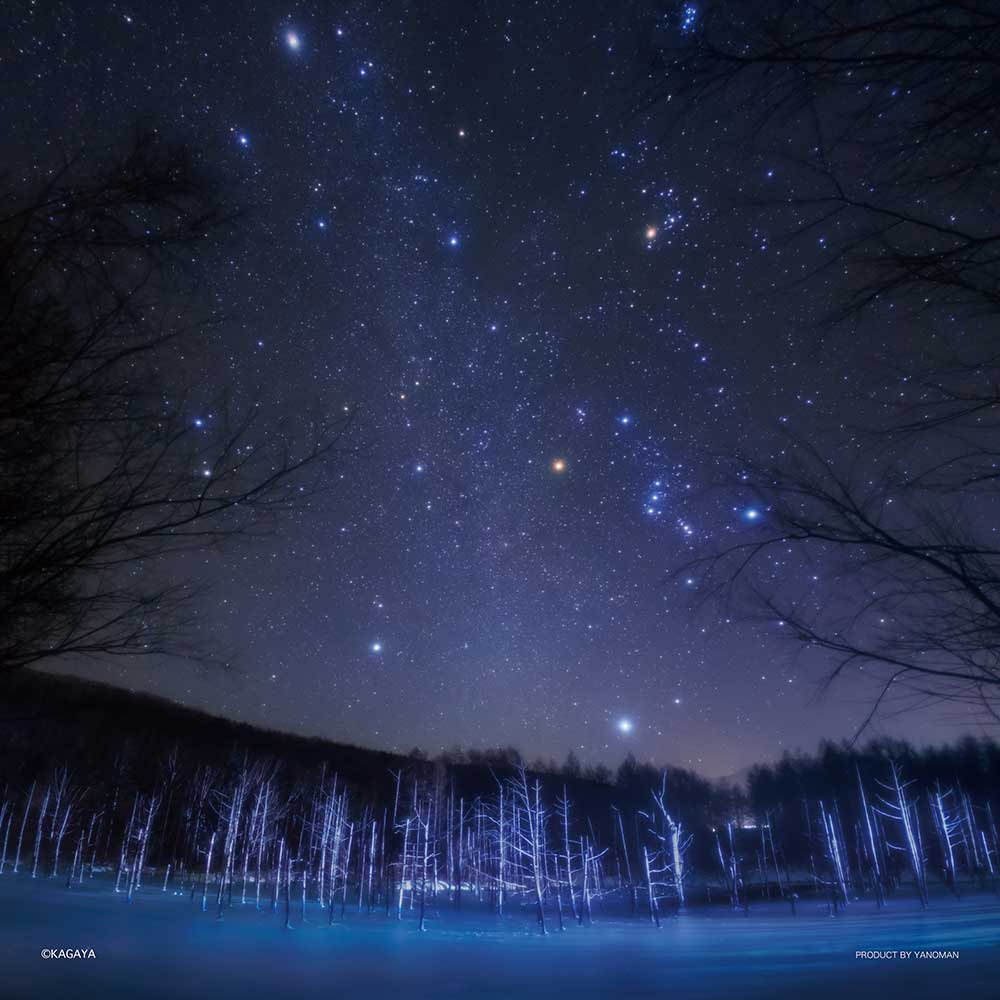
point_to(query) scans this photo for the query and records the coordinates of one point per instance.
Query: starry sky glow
(549, 335)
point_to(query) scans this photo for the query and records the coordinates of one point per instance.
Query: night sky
(552, 334)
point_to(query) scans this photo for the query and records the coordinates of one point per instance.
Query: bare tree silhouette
(887, 112)
(907, 559)
(105, 470)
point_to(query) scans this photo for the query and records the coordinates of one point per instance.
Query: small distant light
(376, 647)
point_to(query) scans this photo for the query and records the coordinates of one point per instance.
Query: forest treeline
(101, 782)
(46, 716)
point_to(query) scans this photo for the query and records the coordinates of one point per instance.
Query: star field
(550, 332)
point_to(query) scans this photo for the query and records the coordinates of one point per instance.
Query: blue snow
(162, 945)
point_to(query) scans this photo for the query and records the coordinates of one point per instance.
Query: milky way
(551, 333)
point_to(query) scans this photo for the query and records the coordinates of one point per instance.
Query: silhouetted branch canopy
(105, 469)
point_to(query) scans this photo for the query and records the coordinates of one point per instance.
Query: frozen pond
(164, 946)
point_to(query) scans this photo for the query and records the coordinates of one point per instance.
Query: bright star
(453, 241)
(293, 41)
(376, 647)
(751, 514)
(625, 725)
(558, 466)
(651, 233)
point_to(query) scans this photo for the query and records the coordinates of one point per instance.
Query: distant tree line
(229, 815)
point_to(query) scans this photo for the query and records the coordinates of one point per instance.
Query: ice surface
(164, 946)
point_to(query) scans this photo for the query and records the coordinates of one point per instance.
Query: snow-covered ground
(164, 946)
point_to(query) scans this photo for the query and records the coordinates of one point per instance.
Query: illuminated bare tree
(896, 805)
(529, 843)
(675, 842)
(872, 848)
(566, 857)
(949, 826)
